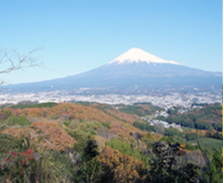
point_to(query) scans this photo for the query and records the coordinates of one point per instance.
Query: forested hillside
(208, 117)
(91, 142)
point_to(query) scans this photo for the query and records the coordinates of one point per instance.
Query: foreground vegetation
(70, 142)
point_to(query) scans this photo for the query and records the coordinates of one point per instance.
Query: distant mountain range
(133, 72)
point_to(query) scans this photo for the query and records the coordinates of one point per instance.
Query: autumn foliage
(95, 143)
(45, 135)
(53, 136)
(122, 167)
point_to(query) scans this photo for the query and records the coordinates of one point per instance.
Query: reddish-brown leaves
(54, 136)
(125, 168)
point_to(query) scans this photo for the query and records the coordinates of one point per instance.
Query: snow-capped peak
(136, 55)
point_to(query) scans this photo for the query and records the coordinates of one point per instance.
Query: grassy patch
(187, 129)
(210, 144)
(124, 148)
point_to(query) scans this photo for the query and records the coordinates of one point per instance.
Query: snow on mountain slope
(136, 55)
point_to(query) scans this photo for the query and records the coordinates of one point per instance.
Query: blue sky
(76, 36)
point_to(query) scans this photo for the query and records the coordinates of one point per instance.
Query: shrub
(191, 136)
(21, 120)
(120, 168)
(107, 125)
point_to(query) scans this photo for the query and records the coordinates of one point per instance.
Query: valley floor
(165, 101)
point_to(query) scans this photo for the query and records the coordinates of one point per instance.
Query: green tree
(164, 167)
(90, 168)
(191, 136)
(91, 149)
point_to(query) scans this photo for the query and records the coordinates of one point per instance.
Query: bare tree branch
(11, 60)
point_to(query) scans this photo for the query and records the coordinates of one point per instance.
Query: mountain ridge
(132, 76)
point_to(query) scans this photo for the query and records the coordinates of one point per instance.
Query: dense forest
(93, 143)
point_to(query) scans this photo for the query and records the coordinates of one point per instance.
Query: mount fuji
(133, 72)
(136, 55)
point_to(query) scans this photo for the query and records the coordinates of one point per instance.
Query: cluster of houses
(154, 122)
(161, 113)
(165, 124)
